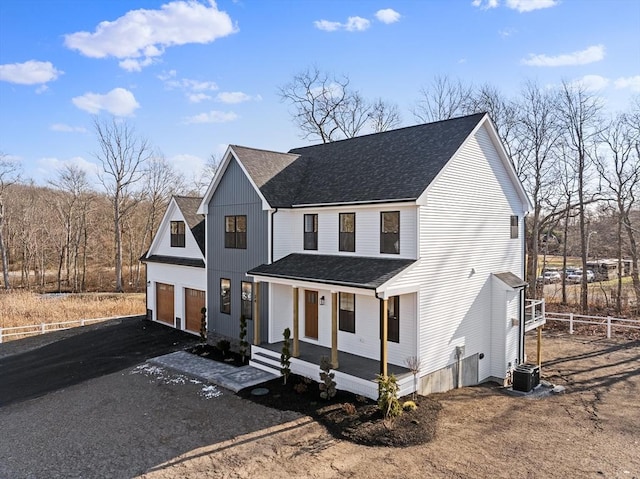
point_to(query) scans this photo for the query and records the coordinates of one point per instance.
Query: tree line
(580, 167)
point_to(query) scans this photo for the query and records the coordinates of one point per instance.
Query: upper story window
(347, 316)
(246, 300)
(235, 232)
(311, 232)
(177, 234)
(390, 232)
(347, 240)
(514, 226)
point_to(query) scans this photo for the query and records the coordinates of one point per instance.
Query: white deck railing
(534, 313)
(16, 332)
(608, 321)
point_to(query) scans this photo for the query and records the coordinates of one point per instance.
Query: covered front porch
(355, 373)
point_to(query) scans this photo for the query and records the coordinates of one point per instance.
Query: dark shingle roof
(189, 206)
(157, 258)
(392, 165)
(353, 271)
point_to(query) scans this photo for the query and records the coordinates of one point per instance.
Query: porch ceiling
(353, 271)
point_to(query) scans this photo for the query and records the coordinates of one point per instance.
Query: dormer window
(347, 232)
(177, 234)
(235, 232)
(311, 232)
(390, 232)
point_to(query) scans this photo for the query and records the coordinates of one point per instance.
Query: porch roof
(353, 271)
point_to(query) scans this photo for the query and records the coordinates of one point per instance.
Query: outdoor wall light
(148, 283)
(321, 300)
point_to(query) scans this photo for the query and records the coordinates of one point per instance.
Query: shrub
(300, 388)
(244, 345)
(224, 345)
(203, 324)
(414, 364)
(409, 406)
(285, 357)
(388, 401)
(328, 385)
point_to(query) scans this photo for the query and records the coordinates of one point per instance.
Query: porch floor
(348, 363)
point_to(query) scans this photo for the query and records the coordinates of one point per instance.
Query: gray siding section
(235, 196)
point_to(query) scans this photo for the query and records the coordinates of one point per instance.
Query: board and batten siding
(235, 195)
(163, 245)
(289, 228)
(464, 238)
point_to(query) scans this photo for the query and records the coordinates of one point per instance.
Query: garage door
(164, 303)
(194, 302)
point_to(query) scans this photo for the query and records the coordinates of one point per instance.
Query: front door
(311, 314)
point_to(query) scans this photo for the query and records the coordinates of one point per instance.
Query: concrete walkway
(221, 374)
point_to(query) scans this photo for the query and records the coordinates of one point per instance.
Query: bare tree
(384, 116)
(443, 99)
(579, 113)
(620, 170)
(537, 132)
(123, 155)
(317, 98)
(9, 174)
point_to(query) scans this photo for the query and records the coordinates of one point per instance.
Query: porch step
(265, 361)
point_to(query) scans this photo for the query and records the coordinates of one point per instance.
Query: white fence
(607, 322)
(17, 332)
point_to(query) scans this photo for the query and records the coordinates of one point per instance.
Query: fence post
(608, 327)
(0, 335)
(82, 322)
(570, 323)
(42, 328)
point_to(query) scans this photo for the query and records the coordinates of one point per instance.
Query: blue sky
(193, 77)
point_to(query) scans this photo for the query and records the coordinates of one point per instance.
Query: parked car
(550, 277)
(576, 276)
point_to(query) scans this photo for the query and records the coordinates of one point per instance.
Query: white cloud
(485, 4)
(198, 97)
(187, 163)
(353, 24)
(214, 116)
(507, 32)
(521, 6)
(592, 54)
(48, 164)
(327, 26)
(140, 36)
(530, 5)
(633, 83)
(67, 128)
(118, 102)
(235, 97)
(387, 15)
(29, 73)
(592, 82)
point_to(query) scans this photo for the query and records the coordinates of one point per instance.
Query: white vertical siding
(464, 238)
(288, 230)
(180, 277)
(163, 237)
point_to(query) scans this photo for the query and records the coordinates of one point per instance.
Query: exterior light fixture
(321, 300)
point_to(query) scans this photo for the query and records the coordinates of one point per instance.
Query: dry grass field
(21, 308)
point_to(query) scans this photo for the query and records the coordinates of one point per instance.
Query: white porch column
(256, 313)
(296, 327)
(383, 337)
(334, 330)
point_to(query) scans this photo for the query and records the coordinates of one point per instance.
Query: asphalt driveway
(98, 351)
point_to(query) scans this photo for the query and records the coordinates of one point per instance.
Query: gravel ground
(121, 425)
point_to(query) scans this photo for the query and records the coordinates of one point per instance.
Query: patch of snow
(210, 392)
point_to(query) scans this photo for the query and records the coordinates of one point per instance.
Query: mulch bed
(212, 352)
(351, 417)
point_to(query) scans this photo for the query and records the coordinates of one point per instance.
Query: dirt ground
(590, 430)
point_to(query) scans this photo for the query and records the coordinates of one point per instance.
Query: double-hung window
(177, 234)
(347, 238)
(311, 232)
(390, 232)
(235, 232)
(514, 226)
(347, 316)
